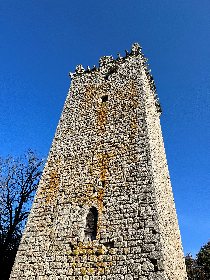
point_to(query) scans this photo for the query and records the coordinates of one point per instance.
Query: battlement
(108, 65)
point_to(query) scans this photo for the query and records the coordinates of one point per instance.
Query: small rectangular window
(104, 98)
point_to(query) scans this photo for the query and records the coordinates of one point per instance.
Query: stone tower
(104, 208)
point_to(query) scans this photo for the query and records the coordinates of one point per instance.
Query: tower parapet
(108, 65)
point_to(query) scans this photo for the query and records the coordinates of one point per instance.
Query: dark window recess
(154, 262)
(111, 71)
(104, 98)
(94, 190)
(103, 184)
(109, 244)
(91, 224)
(71, 246)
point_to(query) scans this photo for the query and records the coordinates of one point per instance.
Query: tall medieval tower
(104, 208)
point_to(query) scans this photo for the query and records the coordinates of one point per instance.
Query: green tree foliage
(190, 266)
(19, 178)
(199, 268)
(203, 259)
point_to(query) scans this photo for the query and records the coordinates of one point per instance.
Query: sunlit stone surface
(104, 208)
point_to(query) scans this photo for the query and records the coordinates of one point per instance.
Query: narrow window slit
(109, 244)
(154, 262)
(94, 190)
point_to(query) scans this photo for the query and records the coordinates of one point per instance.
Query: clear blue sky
(41, 41)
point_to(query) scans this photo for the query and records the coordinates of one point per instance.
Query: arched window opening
(91, 224)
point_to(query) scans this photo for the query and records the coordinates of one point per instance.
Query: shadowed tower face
(104, 208)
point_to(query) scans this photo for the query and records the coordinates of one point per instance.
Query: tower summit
(104, 208)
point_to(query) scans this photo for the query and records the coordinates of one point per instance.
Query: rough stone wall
(104, 207)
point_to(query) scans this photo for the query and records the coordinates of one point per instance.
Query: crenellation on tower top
(106, 62)
(108, 66)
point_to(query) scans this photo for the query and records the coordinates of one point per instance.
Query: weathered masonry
(104, 208)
